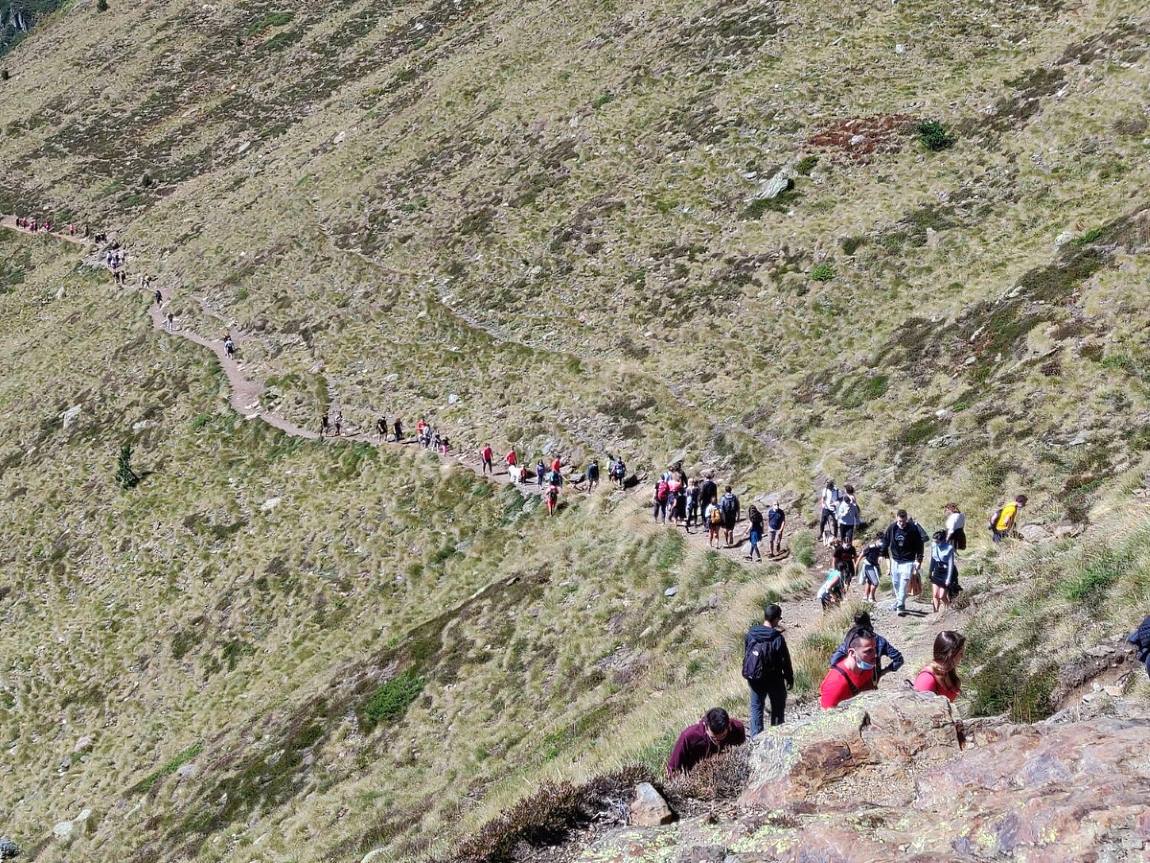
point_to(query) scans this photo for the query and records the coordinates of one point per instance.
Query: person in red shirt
(557, 465)
(511, 458)
(941, 676)
(852, 675)
(487, 454)
(709, 736)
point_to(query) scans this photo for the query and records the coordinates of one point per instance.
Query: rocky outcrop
(893, 776)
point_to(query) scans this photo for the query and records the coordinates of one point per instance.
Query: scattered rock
(371, 856)
(8, 848)
(775, 186)
(1034, 532)
(670, 591)
(69, 416)
(453, 399)
(270, 504)
(339, 138)
(648, 808)
(703, 854)
(84, 744)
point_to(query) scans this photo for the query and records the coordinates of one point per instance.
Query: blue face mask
(863, 664)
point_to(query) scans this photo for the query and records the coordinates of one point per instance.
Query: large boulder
(790, 763)
(648, 808)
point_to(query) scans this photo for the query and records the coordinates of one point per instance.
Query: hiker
(398, 430)
(943, 572)
(713, 516)
(381, 428)
(511, 459)
(709, 736)
(902, 544)
(708, 494)
(692, 504)
(230, 348)
(486, 457)
(324, 425)
(767, 668)
(852, 674)
(679, 504)
(754, 533)
(832, 590)
(171, 322)
(869, 575)
(845, 557)
(540, 472)
(555, 478)
(828, 501)
(847, 514)
(592, 475)
(729, 506)
(159, 298)
(941, 676)
(338, 423)
(955, 527)
(552, 497)
(862, 623)
(776, 520)
(1002, 522)
(662, 492)
(1140, 638)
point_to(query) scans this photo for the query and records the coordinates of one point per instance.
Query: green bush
(935, 136)
(391, 700)
(125, 475)
(101, 5)
(1004, 685)
(806, 165)
(1091, 584)
(803, 547)
(269, 20)
(824, 272)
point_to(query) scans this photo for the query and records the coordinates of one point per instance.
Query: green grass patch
(824, 272)
(269, 20)
(145, 785)
(934, 136)
(390, 700)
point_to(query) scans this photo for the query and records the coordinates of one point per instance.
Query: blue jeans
(773, 691)
(756, 538)
(900, 579)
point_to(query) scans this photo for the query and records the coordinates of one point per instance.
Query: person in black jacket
(902, 544)
(776, 674)
(708, 494)
(1140, 638)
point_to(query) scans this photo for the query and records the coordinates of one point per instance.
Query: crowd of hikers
(855, 666)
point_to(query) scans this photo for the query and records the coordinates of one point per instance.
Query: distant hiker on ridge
(485, 458)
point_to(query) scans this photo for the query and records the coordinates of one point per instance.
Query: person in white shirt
(955, 527)
(829, 501)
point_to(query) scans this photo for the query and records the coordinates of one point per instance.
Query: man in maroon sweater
(709, 736)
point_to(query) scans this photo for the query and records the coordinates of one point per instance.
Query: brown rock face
(883, 779)
(648, 808)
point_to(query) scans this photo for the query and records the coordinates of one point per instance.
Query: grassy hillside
(543, 226)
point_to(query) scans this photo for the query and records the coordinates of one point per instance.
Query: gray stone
(702, 854)
(8, 848)
(648, 808)
(69, 416)
(775, 186)
(670, 591)
(84, 744)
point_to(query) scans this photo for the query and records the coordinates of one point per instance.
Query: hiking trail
(913, 634)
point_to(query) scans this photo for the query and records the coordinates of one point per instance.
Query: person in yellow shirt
(1002, 523)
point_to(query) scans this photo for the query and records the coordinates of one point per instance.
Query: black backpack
(761, 658)
(728, 505)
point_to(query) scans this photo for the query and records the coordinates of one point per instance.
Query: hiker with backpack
(776, 521)
(678, 505)
(754, 532)
(486, 460)
(943, 572)
(902, 545)
(729, 506)
(955, 527)
(1004, 518)
(870, 572)
(862, 623)
(941, 676)
(692, 504)
(709, 736)
(713, 516)
(552, 498)
(1140, 638)
(381, 428)
(662, 492)
(829, 501)
(592, 475)
(767, 668)
(851, 675)
(847, 514)
(540, 473)
(324, 425)
(398, 430)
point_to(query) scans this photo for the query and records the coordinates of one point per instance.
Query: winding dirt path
(913, 634)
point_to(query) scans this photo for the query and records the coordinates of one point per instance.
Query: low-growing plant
(806, 165)
(934, 136)
(823, 272)
(125, 475)
(391, 700)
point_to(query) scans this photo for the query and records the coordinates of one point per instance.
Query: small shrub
(778, 204)
(823, 272)
(803, 547)
(935, 136)
(391, 700)
(850, 245)
(602, 99)
(720, 777)
(1091, 236)
(125, 475)
(1003, 685)
(806, 165)
(5, 74)
(101, 5)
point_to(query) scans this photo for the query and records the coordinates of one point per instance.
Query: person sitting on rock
(852, 675)
(709, 736)
(882, 647)
(941, 676)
